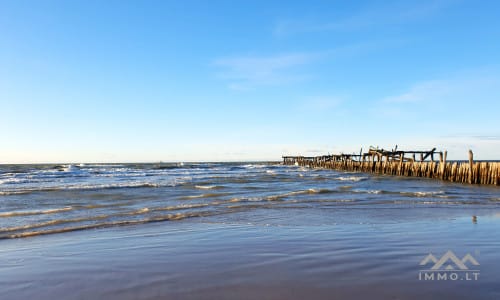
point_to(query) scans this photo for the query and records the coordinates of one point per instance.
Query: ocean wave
(185, 206)
(208, 187)
(136, 212)
(320, 177)
(429, 193)
(8, 193)
(14, 180)
(417, 194)
(254, 166)
(207, 195)
(351, 178)
(253, 203)
(167, 167)
(450, 202)
(86, 187)
(439, 194)
(308, 191)
(283, 195)
(35, 212)
(345, 187)
(38, 225)
(246, 199)
(169, 217)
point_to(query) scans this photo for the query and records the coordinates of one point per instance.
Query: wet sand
(367, 258)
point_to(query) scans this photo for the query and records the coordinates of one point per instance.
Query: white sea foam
(252, 166)
(13, 180)
(425, 194)
(301, 192)
(85, 187)
(71, 168)
(208, 187)
(34, 212)
(351, 178)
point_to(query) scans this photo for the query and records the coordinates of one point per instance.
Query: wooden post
(471, 164)
(401, 158)
(442, 159)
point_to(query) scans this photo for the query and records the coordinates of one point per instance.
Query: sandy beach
(373, 257)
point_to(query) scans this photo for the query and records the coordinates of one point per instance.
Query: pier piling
(395, 162)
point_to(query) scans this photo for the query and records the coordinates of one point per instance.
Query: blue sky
(101, 81)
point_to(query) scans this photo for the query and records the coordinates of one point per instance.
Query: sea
(51, 199)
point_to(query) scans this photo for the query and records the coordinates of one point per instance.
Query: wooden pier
(406, 163)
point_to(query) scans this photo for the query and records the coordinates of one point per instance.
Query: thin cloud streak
(472, 88)
(424, 91)
(247, 72)
(378, 16)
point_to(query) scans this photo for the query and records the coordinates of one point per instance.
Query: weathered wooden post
(442, 158)
(401, 158)
(443, 167)
(471, 164)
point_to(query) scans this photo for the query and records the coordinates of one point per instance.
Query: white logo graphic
(449, 267)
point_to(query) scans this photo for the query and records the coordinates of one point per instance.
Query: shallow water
(198, 260)
(47, 199)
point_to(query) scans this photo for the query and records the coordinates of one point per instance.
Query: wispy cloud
(473, 88)
(424, 91)
(388, 14)
(246, 72)
(468, 102)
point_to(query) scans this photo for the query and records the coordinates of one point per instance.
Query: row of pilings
(487, 173)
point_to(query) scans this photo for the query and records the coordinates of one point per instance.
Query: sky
(149, 81)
